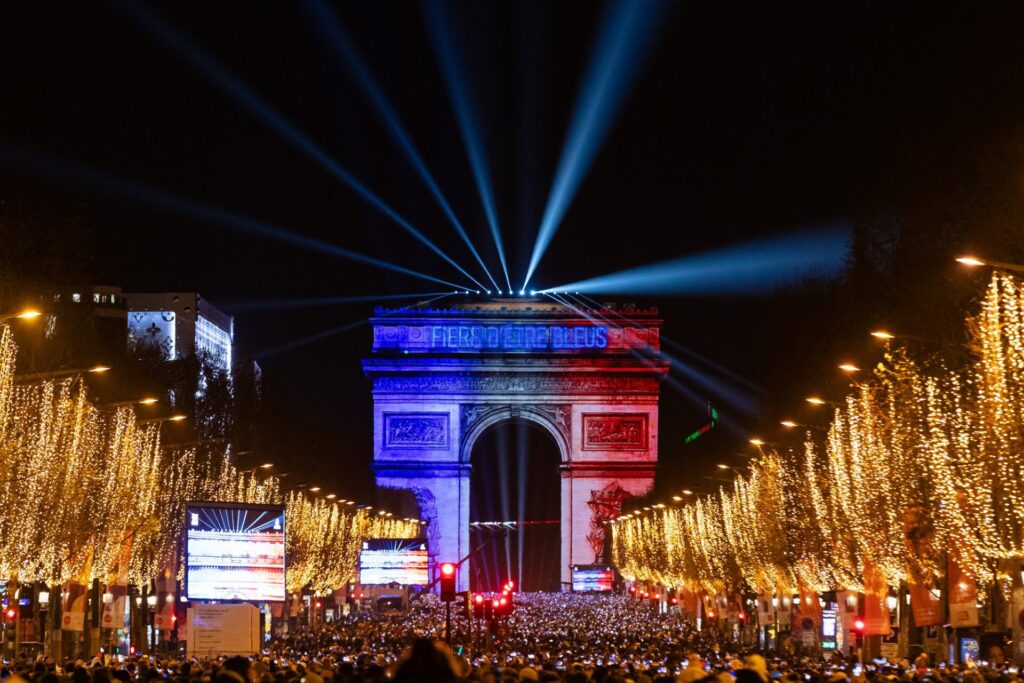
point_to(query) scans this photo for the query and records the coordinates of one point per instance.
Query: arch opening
(515, 477)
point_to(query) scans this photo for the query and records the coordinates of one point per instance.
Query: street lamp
(178, 417)
(27, 314)
(148, 401)
(848, 367)
(757, 442)
(974, 262)
(883, 335)
(53, 374)
(788, 424)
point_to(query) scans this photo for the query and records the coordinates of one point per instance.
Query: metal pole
(448, 623)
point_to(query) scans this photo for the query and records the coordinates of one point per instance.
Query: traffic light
(10, 614)
(447, 582)
(478, 606)
(858, 625)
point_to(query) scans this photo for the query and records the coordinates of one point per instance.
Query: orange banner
(876, 612)
(963, 597)
(926, 605)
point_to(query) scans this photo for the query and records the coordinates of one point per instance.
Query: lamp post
(44, 603)
(54, 374)
(975, 262)
(27, 314)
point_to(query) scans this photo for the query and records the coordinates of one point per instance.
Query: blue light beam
(751, 388)
(746, 269)
(627, 31)
(455, 84)
(77, 174)
(313, 302)
(207, 66)
(330, 26)
(296, 343)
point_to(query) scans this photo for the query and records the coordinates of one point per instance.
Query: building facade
(590, 378)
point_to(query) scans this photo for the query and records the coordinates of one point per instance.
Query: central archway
(515, 477)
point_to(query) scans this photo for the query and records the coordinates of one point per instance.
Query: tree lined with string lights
(83, 489)
(916, 463)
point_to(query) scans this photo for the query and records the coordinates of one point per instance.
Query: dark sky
(748, 119)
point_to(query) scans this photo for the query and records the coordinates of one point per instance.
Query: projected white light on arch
(745, 269)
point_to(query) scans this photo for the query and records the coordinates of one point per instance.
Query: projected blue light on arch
(745, 269)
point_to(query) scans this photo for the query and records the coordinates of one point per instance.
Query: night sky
(746, 120)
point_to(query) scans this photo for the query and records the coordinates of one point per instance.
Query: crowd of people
(562, 638)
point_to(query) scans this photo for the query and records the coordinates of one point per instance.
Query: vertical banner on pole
(117, 587)
(963, 597)
(926, 604)
(876, 611)
(73, 607)
(73, 598)
(163, 619)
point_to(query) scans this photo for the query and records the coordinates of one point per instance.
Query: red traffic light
(503, 602)
(11, 613)
(447, 569)
(479, 599)
(496, 603)
(632, 590)
(858, 624)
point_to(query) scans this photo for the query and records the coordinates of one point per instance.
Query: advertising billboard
(234, 551)
(592, 577)
(402, 561)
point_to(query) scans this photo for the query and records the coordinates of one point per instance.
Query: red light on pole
(11, 613)
(479, 599)
(858, 625)
(448, 582)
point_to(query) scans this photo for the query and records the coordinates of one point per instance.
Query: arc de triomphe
(443, 376)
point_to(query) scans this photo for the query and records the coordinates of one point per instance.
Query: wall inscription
(614, 432)
(415, 430)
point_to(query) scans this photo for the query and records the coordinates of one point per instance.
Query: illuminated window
(76, 297)
(95, 297)
(214, 341)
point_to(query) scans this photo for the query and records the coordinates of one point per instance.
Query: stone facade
(442, 377)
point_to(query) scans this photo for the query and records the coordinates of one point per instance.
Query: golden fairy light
(915, 462)
(86, 493)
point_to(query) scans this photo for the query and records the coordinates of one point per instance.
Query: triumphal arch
(590, 377)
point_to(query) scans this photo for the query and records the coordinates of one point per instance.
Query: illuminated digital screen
(489, 337)
(591, 578)
(234, 552)
(402, 561)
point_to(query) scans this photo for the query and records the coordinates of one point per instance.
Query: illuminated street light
(178, 417)
(314, 489)
(848, 367)
(974, 262)
(677, 498)
(789, 424)
(757, 442)
(267, 466)
(331, 496)
(687, 492)
(27, 314)
(882, 334)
